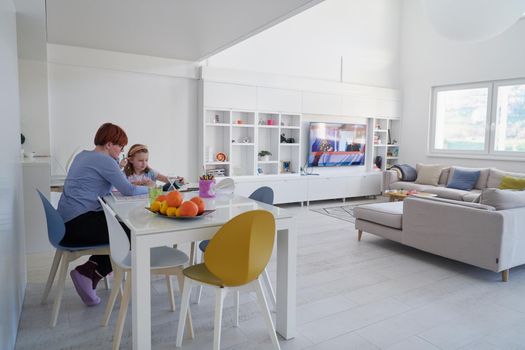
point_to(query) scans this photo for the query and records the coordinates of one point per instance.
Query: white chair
(164, 261)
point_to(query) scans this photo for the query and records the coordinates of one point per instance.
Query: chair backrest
(263, 194)
(225, 186)
(55, 224)
(118, 240)
(241, 249)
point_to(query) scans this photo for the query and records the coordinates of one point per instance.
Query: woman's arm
(162, 178)
(110, 171)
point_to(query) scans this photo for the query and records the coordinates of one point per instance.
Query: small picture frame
(285, 166)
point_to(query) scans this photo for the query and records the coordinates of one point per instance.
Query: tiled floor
(375, 294)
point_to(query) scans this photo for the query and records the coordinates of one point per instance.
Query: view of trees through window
(461, 117)
(510, 119)
(467, 119)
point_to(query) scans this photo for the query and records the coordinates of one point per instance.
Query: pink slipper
(83, 285)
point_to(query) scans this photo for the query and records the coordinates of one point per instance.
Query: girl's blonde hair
(136, 148)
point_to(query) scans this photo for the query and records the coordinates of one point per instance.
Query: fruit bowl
(201, 215)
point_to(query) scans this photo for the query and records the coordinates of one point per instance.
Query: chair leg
(184, 307)
(193, 253)
(64, 264)
(266, 312)
(122, 314)
(199, 287)
(359, 235)
(52, 274)
(269, 288)
(106, 283)
(170, 292)
(180, 280)
(117, 285)
(236, 307)
(219, 301)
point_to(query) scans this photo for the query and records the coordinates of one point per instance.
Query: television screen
(336, 144)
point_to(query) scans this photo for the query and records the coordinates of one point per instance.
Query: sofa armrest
(512, 250)
(389, 177)
(453, 230)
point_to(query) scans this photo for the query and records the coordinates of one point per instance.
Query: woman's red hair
(111, 133)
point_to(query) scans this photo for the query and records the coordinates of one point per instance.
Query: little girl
(138, 171)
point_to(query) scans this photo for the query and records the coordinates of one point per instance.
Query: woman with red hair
(92, 174)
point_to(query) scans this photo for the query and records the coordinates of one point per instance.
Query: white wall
(428, 59)
(153, 99)
(12, 255)
(364, 32)
(33, 106)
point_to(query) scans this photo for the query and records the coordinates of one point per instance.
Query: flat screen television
(336, 144)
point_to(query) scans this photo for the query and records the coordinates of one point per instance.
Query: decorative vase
(265, 158)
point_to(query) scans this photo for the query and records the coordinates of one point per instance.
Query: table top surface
(141, 221)
(405, 194)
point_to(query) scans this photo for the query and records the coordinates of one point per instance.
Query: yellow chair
(236, 256)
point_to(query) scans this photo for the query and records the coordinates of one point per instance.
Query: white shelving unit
(241, 135)
(385, 137)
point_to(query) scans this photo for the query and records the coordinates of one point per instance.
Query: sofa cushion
(495, 177)
(443, 178)
(460, 203)
(503, 199)
(512, 183)
(450, 193)
(463, 179)
(472, 196)
(409, 186)
(387, 214)
(482, 179)
(428, 174)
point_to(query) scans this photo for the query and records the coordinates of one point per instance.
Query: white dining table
(149, 230)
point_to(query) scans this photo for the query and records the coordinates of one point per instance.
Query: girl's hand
(123, 162)
(181, 180)
(150, 183)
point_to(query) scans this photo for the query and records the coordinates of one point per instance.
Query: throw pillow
(443, 178)
(463, 179)
(428, 174)
(408, 173)
(495, 177)
(502, 199)
(512, 183)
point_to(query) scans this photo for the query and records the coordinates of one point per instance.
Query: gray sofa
(489, 178)
(473, 233)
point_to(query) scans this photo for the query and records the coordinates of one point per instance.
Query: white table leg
(140, 295)
(286, 281)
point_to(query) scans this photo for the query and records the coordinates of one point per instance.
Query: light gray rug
(345, 212)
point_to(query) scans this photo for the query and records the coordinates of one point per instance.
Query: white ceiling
(183, 29)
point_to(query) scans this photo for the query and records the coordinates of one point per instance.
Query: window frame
(488, 151)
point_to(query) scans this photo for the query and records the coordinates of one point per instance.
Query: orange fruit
(160, 198)
(188, 208)
(155, 207)
(171, 211)
(163, 207)
(200, 203)
(174, 199)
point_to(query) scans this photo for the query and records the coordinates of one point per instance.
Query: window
(483, 119)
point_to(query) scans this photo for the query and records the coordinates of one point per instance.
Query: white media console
(235, 109)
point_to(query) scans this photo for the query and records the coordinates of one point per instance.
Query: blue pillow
(464, 179)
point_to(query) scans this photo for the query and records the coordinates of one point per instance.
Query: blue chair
(265, 195)
(63, 255)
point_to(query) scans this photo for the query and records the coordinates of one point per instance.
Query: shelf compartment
(241, 134)
(268, 168)
(288, 120)
(263, 118)
(216, 140)
(218, 117)
(242, 161)
(243, 117)
(215, 167)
